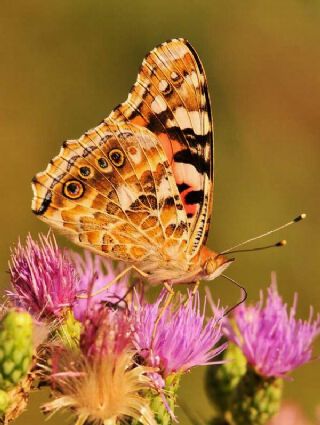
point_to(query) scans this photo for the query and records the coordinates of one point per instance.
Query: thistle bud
(221, 380)
(162, 404)
(4, 402)
(256, 399)
(15, 347)
(163, 408)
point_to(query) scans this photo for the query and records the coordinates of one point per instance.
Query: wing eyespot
(102, 162)
(73, 189)
(85, 172)
(117, 157)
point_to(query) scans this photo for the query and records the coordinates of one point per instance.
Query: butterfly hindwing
(170, 98)
(112, 191)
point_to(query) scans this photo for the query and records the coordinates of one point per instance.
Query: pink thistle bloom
(94, 273)
(106, 331)
(183, 338)
(272, 339)
(43, 278)
(103, 388)
(102, 383)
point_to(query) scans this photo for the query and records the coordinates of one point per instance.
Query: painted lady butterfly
(139, 186)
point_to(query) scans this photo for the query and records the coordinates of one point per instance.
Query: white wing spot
(126, 196)
(197, 120)
(163, 85)
(174, 76)
(180, 51)
(164, 188)
(135, 154)
(187, 173)
(158, 105)
(193, 79)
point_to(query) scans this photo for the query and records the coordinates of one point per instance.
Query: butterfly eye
(73, 189)
(85, 172)
(116, 157)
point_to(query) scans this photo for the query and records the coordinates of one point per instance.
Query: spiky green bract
(4, 402)
(69, 330)
(16, 347)
(163, 402)
(256, 399)
(222, 380)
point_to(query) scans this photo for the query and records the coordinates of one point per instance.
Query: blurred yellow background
(66, 64)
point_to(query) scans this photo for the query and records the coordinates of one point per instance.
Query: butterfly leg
(166, 304)
(128, 291)
(193, 292)
(120, 275)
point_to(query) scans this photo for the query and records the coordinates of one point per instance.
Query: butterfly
(139, 187)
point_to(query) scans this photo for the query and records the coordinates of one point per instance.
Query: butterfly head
(213, 264)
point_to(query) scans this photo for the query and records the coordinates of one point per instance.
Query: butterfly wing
(170, 98)
(112, 191)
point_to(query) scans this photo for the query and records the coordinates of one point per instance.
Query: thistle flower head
(95, 272)
(182, 339)
(106, 331)
(103, 389)
(43, 278)
(273, 340)
(102, 383)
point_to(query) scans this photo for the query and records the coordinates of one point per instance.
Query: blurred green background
(66, 64)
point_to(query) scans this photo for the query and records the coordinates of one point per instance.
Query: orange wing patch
(170, 98)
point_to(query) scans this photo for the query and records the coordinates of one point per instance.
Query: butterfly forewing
(113, 191)
(170, 98)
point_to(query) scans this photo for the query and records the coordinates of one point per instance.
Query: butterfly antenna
(295, 220)
(244, 295)
(283, 242)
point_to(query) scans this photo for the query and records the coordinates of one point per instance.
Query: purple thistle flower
(106, 331)
(43, 279)
(94, 272)
(183, 338)
(272, 339)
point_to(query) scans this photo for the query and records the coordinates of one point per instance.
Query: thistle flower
(272, 339)
(182, 339)
(102, 383)
(94, 272)
(105, 389)
(106, 331)
(43, 278)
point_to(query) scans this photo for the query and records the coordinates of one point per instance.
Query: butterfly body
(138, 187)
